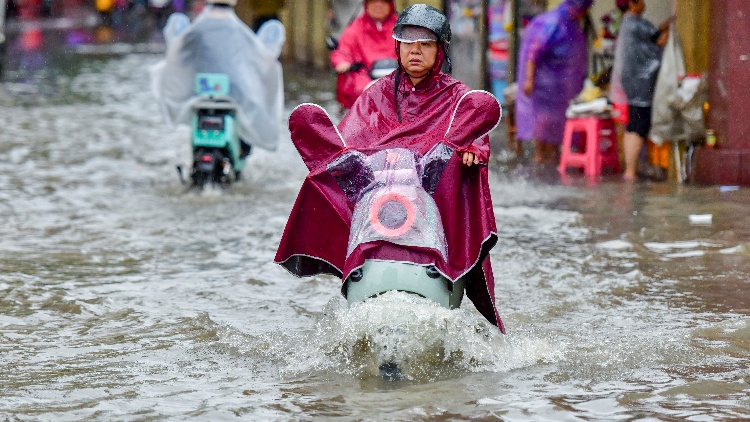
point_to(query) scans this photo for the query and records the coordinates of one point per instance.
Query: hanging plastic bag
(692, 94)
(616, 91)
(666, 123)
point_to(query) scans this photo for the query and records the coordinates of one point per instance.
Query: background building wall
(656, 10)
(729, 64)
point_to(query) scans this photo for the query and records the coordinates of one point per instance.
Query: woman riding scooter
(366, 40)
(416, 108)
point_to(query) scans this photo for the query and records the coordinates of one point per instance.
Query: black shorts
(639, 120)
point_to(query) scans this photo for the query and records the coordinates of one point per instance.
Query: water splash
(426, 341)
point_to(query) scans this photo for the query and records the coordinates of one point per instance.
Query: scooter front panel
(379, 277)
(404, 215)
(390, 202)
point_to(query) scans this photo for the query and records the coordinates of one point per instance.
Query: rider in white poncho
(217, 41)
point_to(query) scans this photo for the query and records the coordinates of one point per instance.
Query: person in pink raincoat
(552, 66)
(419, 108)
(366, 40)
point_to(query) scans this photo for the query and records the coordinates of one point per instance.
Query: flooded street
(124, 297)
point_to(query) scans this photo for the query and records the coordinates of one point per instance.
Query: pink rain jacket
(316, 235)
(363, 41)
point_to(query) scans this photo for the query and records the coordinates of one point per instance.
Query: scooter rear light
(206, 158)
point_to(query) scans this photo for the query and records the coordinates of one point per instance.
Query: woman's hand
(528, 87)
(663, 38)
(469, 158)
(664, 26)
(528, 82)
(343, 67)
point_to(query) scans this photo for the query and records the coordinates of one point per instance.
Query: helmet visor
(412, 33)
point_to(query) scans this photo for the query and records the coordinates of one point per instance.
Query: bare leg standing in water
(538, 152)
(632, 144)
(546, 153)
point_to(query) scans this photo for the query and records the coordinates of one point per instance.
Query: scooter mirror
(273, 35)
(352, 173)
(383, 67)
(432, 165)
(332, 43)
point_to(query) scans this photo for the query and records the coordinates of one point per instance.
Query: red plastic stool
(598, 144)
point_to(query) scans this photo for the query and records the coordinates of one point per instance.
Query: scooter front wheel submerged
(390, 371)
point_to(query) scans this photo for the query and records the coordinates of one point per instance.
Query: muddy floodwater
(124, 297)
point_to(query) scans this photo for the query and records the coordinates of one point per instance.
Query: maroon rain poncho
(363, 41)
(439, 110)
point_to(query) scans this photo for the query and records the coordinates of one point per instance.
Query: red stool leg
(565, 153)
(609, 154)
(593, 162)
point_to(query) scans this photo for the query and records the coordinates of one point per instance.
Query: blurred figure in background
(11, 9)
(616, 93)
(552, 66)
(217, 41)
(264, 11)
(637, 61)
(366, 40)
(341, 13)
(612, 20)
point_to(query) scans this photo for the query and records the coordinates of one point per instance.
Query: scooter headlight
(392, 214)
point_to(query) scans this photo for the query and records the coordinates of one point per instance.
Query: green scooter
(218, 153)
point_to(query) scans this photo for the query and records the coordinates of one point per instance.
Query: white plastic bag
(616, 91)
(666, 124)
(677, 114)
(693, 93)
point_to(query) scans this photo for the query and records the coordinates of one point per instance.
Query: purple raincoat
(556, 43)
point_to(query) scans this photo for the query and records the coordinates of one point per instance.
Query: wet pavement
(124, 297)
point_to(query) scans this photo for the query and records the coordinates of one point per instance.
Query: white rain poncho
(217, 41)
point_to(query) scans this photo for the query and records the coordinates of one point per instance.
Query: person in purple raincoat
(552, 66)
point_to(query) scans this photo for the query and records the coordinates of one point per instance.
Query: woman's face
(418, 58)
(378, 9)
